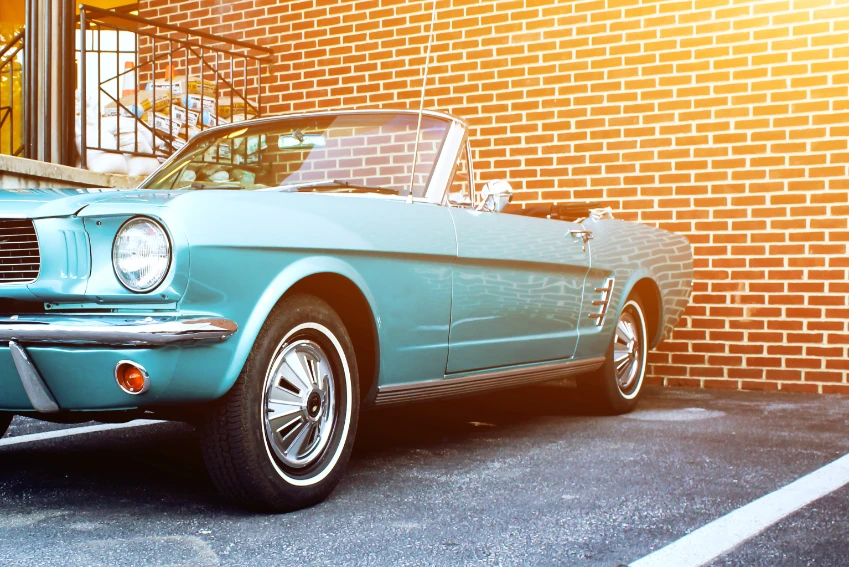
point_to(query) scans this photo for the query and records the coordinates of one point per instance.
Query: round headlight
(141, 254)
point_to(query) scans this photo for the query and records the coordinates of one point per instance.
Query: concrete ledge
(20, 173)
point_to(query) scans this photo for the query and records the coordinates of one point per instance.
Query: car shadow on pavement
(159, 468)
(425, 425)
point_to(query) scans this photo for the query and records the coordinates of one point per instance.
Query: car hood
(43, 203)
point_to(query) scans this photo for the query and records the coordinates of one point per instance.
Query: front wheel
(280, 439)
(5, 421)
(616, 387)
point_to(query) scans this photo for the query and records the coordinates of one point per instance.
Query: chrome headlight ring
(141, 254)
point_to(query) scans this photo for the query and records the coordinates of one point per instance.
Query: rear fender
(655, 303)
(622, 290)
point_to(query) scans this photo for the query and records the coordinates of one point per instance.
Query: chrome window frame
(473, 191)
(443, 169)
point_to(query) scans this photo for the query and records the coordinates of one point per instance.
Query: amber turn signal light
(132, 378)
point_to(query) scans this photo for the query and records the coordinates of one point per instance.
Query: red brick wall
(725, 120)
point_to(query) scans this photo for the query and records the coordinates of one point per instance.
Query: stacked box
(179, 86)
(138, 103)
(173, 111)
(162, 119)
(183, 116)
(196, 102)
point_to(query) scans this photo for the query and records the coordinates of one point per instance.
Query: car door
(517, 290)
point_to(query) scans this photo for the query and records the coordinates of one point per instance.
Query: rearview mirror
(298, 140)
(495, 196)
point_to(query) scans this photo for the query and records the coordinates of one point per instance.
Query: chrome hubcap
(300, 406)
(627, 353)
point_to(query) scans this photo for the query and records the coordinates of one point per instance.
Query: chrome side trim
(37, 392)
(114, 331)
(469, 384)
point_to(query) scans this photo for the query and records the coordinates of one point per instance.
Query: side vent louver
(604, 301)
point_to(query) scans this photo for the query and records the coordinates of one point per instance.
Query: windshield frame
(440, 174)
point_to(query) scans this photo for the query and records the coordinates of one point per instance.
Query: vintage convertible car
(276, 276)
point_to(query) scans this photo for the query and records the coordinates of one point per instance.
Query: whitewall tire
(616, 387)
(280, 439)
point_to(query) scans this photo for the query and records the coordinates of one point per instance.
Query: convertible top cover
(569, 212)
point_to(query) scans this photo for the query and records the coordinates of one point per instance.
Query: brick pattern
(724, 120)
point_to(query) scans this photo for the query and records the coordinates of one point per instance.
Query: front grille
(19, 258)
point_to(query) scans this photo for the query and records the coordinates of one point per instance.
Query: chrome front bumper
(102, 330)
(114, 330)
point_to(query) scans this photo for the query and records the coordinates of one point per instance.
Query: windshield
(328, 153)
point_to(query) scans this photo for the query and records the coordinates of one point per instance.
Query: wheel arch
(649, 293)
(341, 286)
(349, 302)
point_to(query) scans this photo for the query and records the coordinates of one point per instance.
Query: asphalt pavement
(523, 477)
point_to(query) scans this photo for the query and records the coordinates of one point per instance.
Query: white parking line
(21, 439)
(722, 535)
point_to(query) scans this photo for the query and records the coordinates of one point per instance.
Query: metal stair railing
(226, 73)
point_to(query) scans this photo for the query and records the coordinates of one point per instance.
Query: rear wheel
(280, 439)
(616, 387)
(5, 421)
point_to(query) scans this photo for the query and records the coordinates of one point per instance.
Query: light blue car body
(451, 292)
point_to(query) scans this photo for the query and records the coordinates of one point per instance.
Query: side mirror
(495, 196)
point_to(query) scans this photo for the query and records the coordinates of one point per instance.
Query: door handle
(586, 235)
(583, 233)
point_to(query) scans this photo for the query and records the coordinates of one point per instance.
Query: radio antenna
(421, 101)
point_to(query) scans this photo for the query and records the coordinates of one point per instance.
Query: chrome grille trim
(20, 261)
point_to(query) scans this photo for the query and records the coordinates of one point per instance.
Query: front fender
(249, 248)
(278, 287)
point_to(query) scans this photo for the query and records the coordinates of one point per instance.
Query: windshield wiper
(337, 185)
(200, 186)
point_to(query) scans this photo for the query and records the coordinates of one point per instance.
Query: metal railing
(11, 83)
(182, 81)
